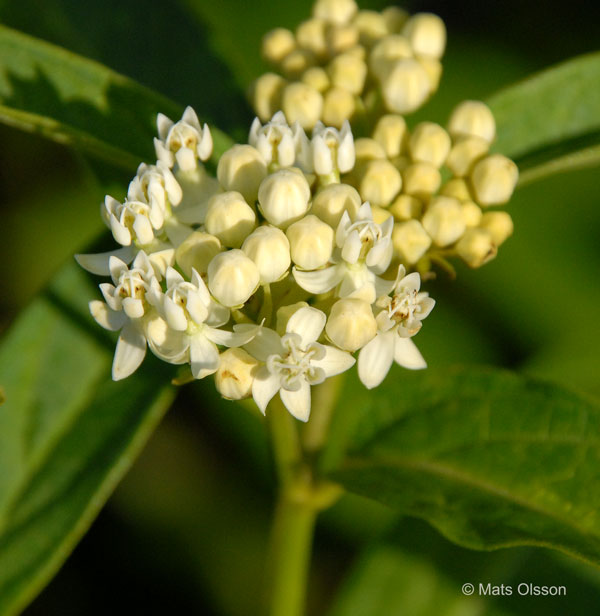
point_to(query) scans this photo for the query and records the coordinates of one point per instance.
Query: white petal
(426, 305)
(231, 339)
(163, 155)
(143, 229)
(196, 307)
(116, 267)
(130, 352)
(412, 282)
(321, 156)
(308, 323)
(119, 231)
(177, 232)
(382, 286)
(286, 151)
(174, 191)
(335, 361)
(98, 263)
(166, 343)
(340, 232)
(217, 314)
(205, 147)
(133, 308)
(105, 317)
(174, 314)
(265, 343)
(384, 251)
(365, 212)
(264, 387)
(375, 359)
(407, 355)
(253, 134)
(162, 259)
(352, 247)
(189, 116)
(297, 402)
(173, 277)
(163, 124)
(108, 292)
(319, 281)
(204, 356)
(346, 151)
(186, 159)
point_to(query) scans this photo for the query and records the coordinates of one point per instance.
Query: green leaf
(550, 122)
(67, 433)
(50, 91)
(491, 459)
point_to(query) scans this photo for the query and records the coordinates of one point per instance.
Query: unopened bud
(391, 133)
(471, 213)
(311, 242)
(277, 44)
(395, 18)
(332, 201)
(429, 143)
(317, 78)
(348, 72)
(232, 277)
(472, 119)
(371, 26)
(406, 87)
(498, 224)
(421, 180)
(242, 169)
(284, 197)
(266, 95)
(465, 153)
(336, 11)
(196, 252)
(339, 106)
(302, 104)
(380, 183)
(296, 62)
(387, 52)
(405, 207)
(457, 188)
(230, 218)
(269, 248)
(494, 179)
(368, 149)
(341, 37)
(310, 35)
(427, 34)
(434, 70)
(380, 215)
(410, 241)
(235, 374)
(444, 220)
(351, 324)
(476, 247)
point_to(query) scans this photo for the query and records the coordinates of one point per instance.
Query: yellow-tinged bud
(266, 95)
(269, 248)
(348, 72)
(472, 119)
(410, 241)
(296, 62)
(429, 143)
(371, 26)
(406, 87)
(230, 218)
(427, 34)
(472, 213)
(277, 44)
(434, 70)
(444, 220)
(317, 78)
(359, 51)
(380, 182)
(368, 149)
(421, 180)
(311, 242)
(336, 11)
(242, 169)
(284, 196)
(494, 179)
(457, 188)
(235, 374)
(405, 207)
(401, 162)
(387, 52)
(303, 104)
(380, 215)
(498, 224)
(341, 37)
(395, 18)
(338, 106)
(465, 153)
(476, 247)
(332, 201)
(311, 34)
(232, 278)
(197, 251)
(391, 133)
(351, 324)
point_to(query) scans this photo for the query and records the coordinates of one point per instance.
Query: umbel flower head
(306, 253)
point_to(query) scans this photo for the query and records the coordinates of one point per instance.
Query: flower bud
(348, 72)
(472, 119)
(351, 324)
(296, 62)
(359, 51)
(341, 38)
(421, 180)
(196, 252)
(284, 197)
(371, 26)
(332, 201)
(232, 277)
(405, 207)
(494, 179)
(336, 11)
(429, 143)
(277, 44)
(266, 94)
(368, 149)
(476, 247)
(457, 188)
(310, 35)
(311, 242)
(410, 241)
(380, 183)
(302, 104)
(235, 374)
(391, 133)
(269, 248)
(395, 18)
(465, 153)
(427, 34)
(317, 78)
(242, 169)
(230, 218)
(434, 70)
(498, 224)
(471, 213)
(444, 220)
(338, 106)
(406, 87)
(380, 215)
(386, 54)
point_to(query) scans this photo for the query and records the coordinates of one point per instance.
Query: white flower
(399, 318)
(332, 150)
(276, 141)
(157, 186)
(294, 362)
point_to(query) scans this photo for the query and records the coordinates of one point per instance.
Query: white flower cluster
(342, 61)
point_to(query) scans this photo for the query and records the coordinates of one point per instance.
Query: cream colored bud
(339, 105)
(380, 183)
(395, 18)
(302, 104)
(235, 374)
(429, 143)
(427, 34)
(368, 149)
(242, 169)
(197, 251)
(405, 207)
(359, 51)
(371, 26)
(317, 78)
(444, 220)
(332, 201)
(311, 242)
(348, 72)
(457, 188)
(406, 87)
(336, 11)
(391, 133)
(351, 324)
(410, 241)
(341, 38)
(311, 34)
(465, 153)
(266, 95)
(499, 225)
(471, 213)
(277, 44)
(494, 179)
(476, 247)
(401, 162)
(434, 71)
(472, 119)
(269, 248)
(230, 218)
(232, 277)
(387, 52)
(380, 215)
(283, 197)
(421, 180)
(296, 62)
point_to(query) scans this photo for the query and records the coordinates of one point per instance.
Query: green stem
(266, 310)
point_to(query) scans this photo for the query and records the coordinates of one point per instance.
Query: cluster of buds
(343, 62)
